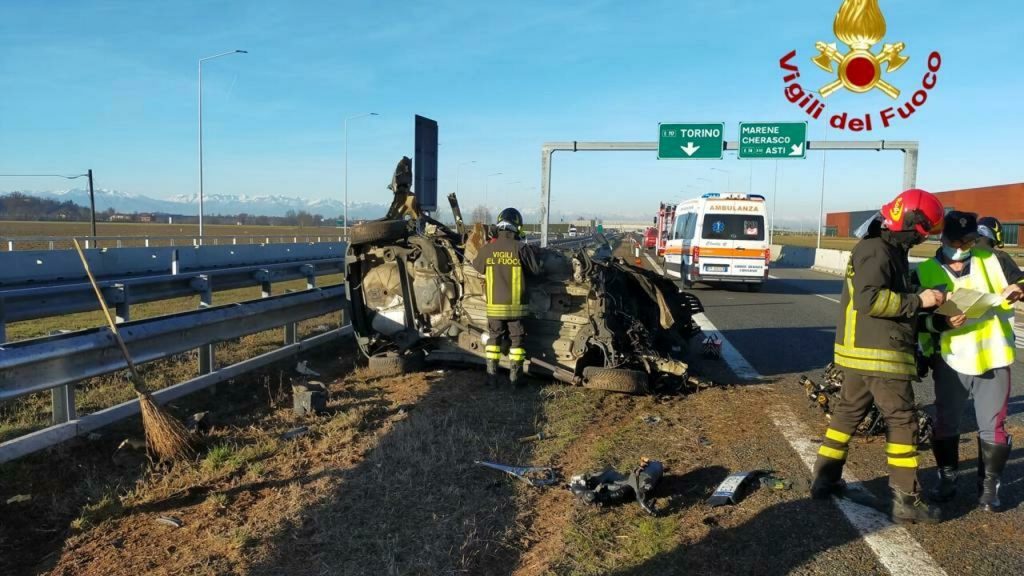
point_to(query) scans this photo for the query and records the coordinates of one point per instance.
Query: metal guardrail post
(63, 402)
(122, 304)
(207, 358)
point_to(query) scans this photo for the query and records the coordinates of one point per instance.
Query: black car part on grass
(613, 487)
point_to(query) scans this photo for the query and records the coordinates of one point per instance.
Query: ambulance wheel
(615, 380)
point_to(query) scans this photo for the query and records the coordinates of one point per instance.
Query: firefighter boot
(991, 461)
(514, 373)
(910, 509)
(492, 372)
(947, 460)
(828, 478)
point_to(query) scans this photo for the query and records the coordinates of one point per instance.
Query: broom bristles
(167, 438)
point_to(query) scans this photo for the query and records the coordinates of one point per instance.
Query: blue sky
(112, 86)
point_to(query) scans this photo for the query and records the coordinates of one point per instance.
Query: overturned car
(594, 321)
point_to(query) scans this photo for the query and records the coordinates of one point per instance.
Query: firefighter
(990, 238)
(502, 261)
(875, 348)
(971, 356)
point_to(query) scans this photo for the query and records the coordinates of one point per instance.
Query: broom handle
(106, 311)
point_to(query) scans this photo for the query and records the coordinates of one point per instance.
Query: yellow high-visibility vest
(981, 344)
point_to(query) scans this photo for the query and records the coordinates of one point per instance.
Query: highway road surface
(787, 330)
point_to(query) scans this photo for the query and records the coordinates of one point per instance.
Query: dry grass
(29, 413)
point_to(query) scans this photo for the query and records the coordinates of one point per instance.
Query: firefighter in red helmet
(876, 346)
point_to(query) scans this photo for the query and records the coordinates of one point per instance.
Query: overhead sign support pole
(909, 149)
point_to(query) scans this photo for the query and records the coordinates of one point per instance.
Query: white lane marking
(654, 264)
(829, 298)
(730, 354)
(895, 548)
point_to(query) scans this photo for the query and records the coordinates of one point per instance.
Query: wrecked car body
(593, 321)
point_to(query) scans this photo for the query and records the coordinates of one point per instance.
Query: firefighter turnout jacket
(876, 331)
(981, 344)
(502, 262)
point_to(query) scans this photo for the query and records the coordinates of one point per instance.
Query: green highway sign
(696, 141)
(773, 140)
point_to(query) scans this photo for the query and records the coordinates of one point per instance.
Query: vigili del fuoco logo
(860, 25)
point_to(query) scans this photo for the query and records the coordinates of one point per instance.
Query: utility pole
(92, 205)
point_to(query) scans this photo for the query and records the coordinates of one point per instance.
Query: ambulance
(719, 239)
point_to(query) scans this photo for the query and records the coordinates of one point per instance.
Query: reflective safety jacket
(876, 330)
(502, 261)
(981, 344)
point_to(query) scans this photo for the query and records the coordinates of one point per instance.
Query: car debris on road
(824, 395)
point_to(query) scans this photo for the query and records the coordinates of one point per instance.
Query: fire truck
(663, 223)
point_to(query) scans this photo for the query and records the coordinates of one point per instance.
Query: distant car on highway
(718, 239)
(650, 238)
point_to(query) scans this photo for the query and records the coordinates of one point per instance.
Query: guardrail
(38, 284)
(12, 243)
(56, 363)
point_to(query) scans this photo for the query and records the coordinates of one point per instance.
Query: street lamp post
(201, 60)
(821, 200)
(458, 175)
(363, 115)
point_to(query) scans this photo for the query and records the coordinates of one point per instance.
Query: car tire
(379, 231)
(394, 364)
(615, 380)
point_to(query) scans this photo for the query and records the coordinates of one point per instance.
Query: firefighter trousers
(895, 400)
(506, 336)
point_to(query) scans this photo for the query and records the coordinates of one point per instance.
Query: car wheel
(756, 287)
(394, 364)
(379, 231)
(615, 380)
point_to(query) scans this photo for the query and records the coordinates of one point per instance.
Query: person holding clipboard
(970, 342)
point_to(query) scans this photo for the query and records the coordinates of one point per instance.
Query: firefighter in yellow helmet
(503, 262)
(875, 348)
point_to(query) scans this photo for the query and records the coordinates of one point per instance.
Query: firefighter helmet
(914, 210)
(510, 219)
(992, 229)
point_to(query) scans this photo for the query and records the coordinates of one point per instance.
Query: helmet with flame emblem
(914, 210)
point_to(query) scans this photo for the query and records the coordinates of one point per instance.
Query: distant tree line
(18, 206)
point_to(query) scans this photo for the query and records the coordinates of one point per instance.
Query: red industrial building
(1005, 202)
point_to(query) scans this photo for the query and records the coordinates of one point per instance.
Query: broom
(166, 437)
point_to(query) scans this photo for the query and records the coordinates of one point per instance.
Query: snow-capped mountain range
(271, 205)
